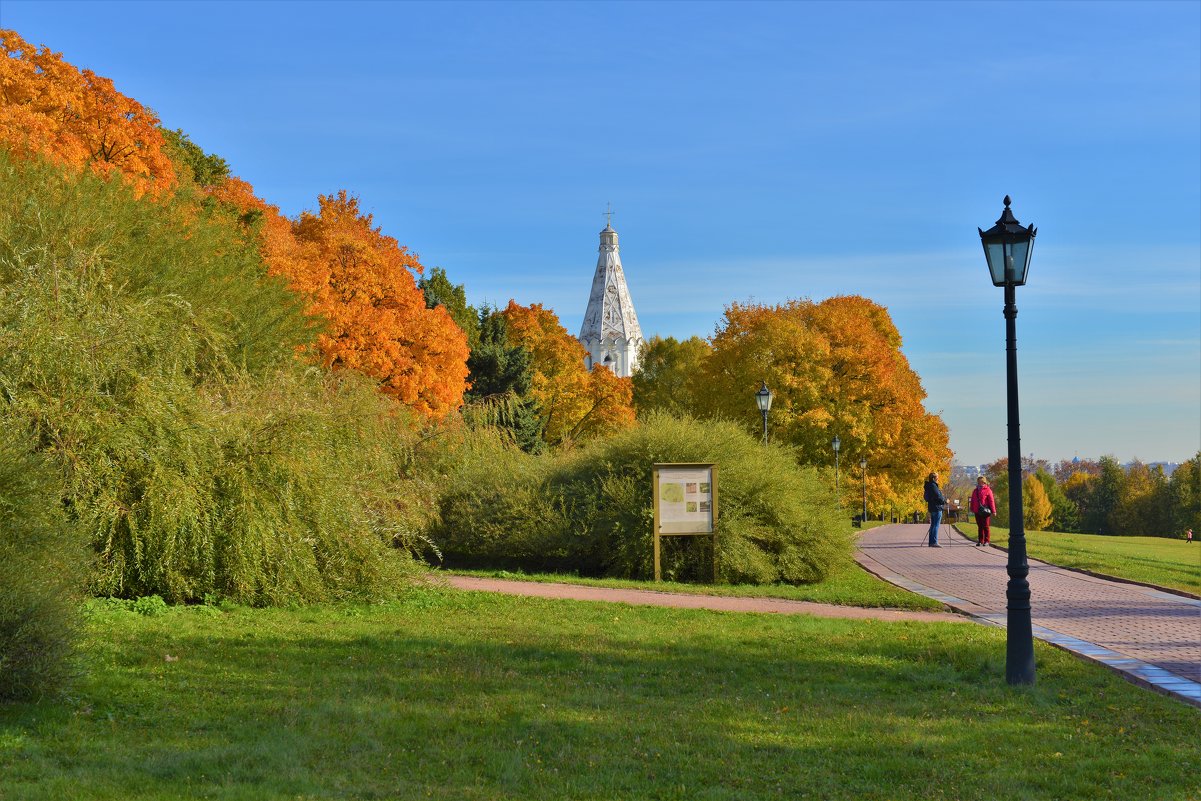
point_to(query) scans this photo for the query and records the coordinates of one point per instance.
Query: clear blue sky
(751, 151)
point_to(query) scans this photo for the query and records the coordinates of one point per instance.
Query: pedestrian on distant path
(1188, 536)
(983, 504)
(935, 502)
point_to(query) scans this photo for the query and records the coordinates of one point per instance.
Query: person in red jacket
(984, 504)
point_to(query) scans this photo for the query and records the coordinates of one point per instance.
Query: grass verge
(1152, 560)
(457, 695)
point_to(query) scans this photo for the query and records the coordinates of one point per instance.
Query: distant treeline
(1098, 497)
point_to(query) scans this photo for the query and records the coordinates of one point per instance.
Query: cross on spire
(608, 215)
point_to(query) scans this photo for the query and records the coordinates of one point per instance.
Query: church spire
(610, 332)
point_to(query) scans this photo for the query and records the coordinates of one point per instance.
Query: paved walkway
(1149, 635)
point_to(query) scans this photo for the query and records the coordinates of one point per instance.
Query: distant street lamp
(837, 444)
(863, 471)
(763, 401)
(1007, 248)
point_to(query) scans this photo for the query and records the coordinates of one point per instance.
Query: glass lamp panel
(1020, 252)
(1026, 263)
(995, 253)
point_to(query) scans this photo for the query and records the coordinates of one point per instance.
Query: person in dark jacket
(935, 501)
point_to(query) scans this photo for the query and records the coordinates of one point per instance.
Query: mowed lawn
(1152, 560)
(458, 695)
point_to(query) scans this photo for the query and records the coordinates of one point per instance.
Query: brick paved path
(1138, 622)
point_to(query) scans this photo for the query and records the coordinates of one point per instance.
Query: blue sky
(751, 152)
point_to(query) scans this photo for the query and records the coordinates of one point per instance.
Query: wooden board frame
(699, 528)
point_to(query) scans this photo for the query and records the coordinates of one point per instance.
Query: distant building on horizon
(610, 332)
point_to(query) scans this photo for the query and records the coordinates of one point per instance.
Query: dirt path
(689, 601)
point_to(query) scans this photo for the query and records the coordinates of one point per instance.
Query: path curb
(1134, 670)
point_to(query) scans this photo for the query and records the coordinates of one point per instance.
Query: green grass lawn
(850, 587)
(458, 695)
(1153, 560)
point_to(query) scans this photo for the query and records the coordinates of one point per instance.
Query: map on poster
(685, 499)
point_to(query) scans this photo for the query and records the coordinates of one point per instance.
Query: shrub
(590, 510)
(149, 606)
(41, 558)
(493, 509)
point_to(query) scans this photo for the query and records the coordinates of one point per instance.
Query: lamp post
(1007, 248)
(837, 444)
(863, 471)
(763, 401)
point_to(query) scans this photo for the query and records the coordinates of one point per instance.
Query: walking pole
(925, 536)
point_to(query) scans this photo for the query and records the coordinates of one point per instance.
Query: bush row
(590, 510)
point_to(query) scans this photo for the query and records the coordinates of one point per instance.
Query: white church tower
(610, 332)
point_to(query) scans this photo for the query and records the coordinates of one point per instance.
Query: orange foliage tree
(835, 368)
(361, 285)
(48, 108)
(575, 404)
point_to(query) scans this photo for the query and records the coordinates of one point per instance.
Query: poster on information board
(685, 504)
(685, 498)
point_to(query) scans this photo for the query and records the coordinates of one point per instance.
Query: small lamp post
(863, 471)
(1007, 249)
(763, 401)
(837, 444)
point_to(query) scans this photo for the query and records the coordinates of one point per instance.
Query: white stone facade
(610, 330)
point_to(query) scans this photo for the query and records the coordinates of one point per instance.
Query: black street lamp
(763, 401)
(837, 444)
(863, 470)
(1007, 248)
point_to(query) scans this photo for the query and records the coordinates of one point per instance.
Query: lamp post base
(1019, 634)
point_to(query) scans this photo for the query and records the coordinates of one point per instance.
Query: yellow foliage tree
(1036, 506)
(835, 369)
(575, 404)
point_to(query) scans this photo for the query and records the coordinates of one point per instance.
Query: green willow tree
(153, 361)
